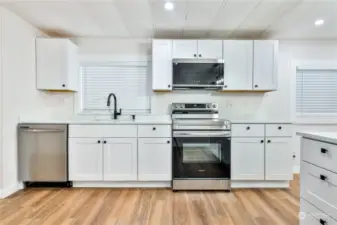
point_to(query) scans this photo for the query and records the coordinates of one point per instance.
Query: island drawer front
(310, 215)
(79, 131)
(320, 153)
(247, 130)
(319, 187)
(279, 130)
(154, 131)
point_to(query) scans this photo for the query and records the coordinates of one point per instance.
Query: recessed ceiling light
(319, 22)
(169, 6)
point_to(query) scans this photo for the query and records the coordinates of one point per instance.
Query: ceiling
(282, 19)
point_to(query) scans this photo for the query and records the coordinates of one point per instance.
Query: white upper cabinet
(265, 65)
(209, 49)
(238, 59)
(154, 159)
(57, 64)
(162, 65)
(120, 159)
(85, 159)
(247, 159)
(185, 49)
(278, 159)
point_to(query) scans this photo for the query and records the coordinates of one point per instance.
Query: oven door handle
(200, 134)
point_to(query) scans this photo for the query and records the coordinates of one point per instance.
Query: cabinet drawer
(310, 215)
(279, 130)
(154, 131)
(319, 187)
(319, 153)
(247, 130)
(103, 131)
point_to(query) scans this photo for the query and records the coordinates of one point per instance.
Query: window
(127, 80)
(316, 93)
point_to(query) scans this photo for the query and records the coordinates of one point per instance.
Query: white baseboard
(259, 184)
(9, 190)
(123, 184)
(296, 169)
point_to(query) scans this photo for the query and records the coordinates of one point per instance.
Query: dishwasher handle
(40, 130)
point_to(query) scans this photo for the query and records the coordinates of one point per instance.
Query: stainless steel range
(201, 147)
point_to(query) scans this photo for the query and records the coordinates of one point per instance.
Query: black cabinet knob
(169, 86)
(261, 141)
(200, 55)
(323, 150)
(247, 128)
(104, 142)
(268, 141)
(168, 142)
(195, 55)
(153, 128)
(280, 128)
(256, 85)
(63, 85)
(322, 177)
(98, 142)
(323, 222)
(225, 86)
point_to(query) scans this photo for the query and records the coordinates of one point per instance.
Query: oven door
(198, 74)
(201, 155)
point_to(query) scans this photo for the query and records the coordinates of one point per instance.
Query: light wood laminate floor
(152, 206)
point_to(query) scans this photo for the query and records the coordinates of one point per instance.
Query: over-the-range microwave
(198, 73)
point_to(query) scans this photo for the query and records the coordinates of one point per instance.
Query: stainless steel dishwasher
(43, 153)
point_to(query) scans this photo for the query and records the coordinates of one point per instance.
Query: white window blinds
(127, 80)
(316, 93)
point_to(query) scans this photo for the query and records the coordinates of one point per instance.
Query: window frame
(106, 60)
(309, 65)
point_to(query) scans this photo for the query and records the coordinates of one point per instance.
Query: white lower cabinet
(247, 159)
(278, 161)
(85, 159)
(120, 159)
(154, 159)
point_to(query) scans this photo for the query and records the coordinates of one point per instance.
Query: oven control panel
(195, 106)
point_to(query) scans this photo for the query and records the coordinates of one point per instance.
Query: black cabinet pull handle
(168, 142)
(153, 128)
(261, 141)
(322, 177)
(323, 222)
(280, 128)
(323, 150)
(195, 55)
(256, 85)
(268, 141)
(247, 128)
(98, 142)
(104, 142)
(200, 55)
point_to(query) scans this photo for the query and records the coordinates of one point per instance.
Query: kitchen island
(318, 178)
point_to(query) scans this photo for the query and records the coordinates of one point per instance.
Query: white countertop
(320, 136)
(103, 120)
(258, 121)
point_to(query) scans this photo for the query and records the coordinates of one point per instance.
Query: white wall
(18, 92)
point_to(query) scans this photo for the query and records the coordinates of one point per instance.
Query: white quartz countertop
(320, 136)
(260, 121)
(122, 121)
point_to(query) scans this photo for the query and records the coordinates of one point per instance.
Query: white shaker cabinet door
(247, 159)
(162, 65)
(85, 159)
(279, 160)
(185, 49)
(238, 64)
(265, 65)
(154, 159)
(120, 159)
(209, 49)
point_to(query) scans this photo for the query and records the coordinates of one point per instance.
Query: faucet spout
(115, 105)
